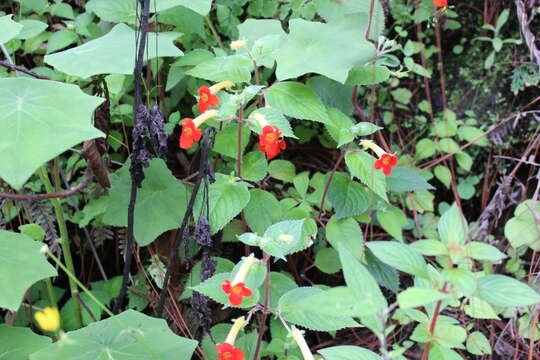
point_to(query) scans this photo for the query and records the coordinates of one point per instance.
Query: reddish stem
(433, 324)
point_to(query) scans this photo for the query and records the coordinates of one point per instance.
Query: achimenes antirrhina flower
(270, 140)
(208, 97)
(238, 44)
(227, 351)
(190, 128)
(441, 3)
(237, 289)
(385, 161)
(48, 319)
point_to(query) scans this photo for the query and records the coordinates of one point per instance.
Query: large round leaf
(129, 335)
(112, 53)
(22, 342)
(21, 265)
(40, 119)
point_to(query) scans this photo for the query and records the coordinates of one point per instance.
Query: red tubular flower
(385, 162)
(206, 98)
(236, 292)
(270, 141)
(190, 134)
(441, 3)
(228, 352)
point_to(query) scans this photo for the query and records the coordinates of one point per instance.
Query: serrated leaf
(262, 210)
(500, 290)
(403, 179)
(443, 174)
(226, 142)
(60, 40)
(283, 238)
(327, 261)
(263, 37)
(274, 117)
(479, 309)
(10, 29)
(21, 265)
(347, 196)
(481, 251)
(348, 352)
(161, 201)
(452, 227)
(392, 219)
(295, 307)
(30, 108)
(360, 165)
(125, 336)
(478, 344)
(296, 100)
(254, 166)
(227, 197)
(522, 228)
(415, 296)
(399, 256)
(282, 170)
(333, 95)
(368, 75)
(22, 342)
(362, 285)
(302, 53)
(346, 232)
(112, 53)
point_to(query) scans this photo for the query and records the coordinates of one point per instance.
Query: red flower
(190, 134)
(441, 3)
(228, 352)
(385, 163)
(270, 141)
(236, 293)
(206, 98)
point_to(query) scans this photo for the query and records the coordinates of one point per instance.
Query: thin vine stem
(64, 239)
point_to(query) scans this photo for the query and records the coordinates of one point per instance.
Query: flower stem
(76, 281)
(425, 355)
(265, 306)
(64, 239)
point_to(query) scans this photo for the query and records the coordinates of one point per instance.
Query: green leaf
(425, 148)
(31, 28)
(399, 256)
(212, 288)
(368, 75)
(93, 209)
(348, 197)
(452, 227)
(34, 231)
(161, 201)
(392, 219)
(302, 53)
(222, 266)
(301, 183)
(125, 336)
(282, 170)
(21, 265)
(364, 129)
(415, 296)
(10, 29)
(348, 352)
(522, 229)
(448, 145)
(337, 123)
(280, 283)
(262, 210)
(481, 251)
(62, 10)
(112, 53)
(385, 275)
(296, 100)
(200, 6)
(236, 68)
(227, 141)
(443, 174)
(403, 179)
(360, 165)
(60, 40)
(363, 286)
(263, 37)
(469, 133)
(227, 198)
(283, 238)
(346, 232)
(478, 344)
(333, 95)
(500, 290)
(439, 352)
(22, 342)
(327, 260)
(254, 166)
(430, 247)
(114, 11)
(68, 314)
(402, 95)
(295, 307)
(29, 109)
(479, 309)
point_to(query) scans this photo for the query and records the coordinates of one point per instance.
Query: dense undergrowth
(277, 179)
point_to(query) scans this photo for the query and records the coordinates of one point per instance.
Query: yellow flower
(238, 44)
(48, 319)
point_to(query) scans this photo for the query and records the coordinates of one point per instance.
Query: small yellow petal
(221, 85)
(238, 44)
(48, 319)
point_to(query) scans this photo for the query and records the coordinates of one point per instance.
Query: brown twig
(62, 194)
(23, 70)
